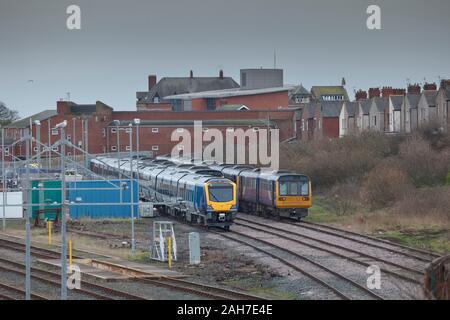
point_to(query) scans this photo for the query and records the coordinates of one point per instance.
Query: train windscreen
(293, 186)
(220, 192)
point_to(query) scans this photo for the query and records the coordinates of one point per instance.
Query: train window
(220, 192)
(294, 186)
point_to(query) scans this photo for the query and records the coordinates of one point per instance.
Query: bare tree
(7, 115)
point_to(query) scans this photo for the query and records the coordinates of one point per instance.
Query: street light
(137, 122)
(133, 241)
(37, 123)
(117, 123)
(62, 126)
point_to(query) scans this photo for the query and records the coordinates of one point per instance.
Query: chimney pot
(221, 74)
(191, 74)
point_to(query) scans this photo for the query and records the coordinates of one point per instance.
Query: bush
(330, 162)
(343, 198)
(385, 184)
(425, 201)
(425, 166)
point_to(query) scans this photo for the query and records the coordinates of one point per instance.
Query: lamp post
(37, 124)
(49, 144)
(137, 122)
(62, 126)
(117, 123)
(133, 241)
(3, 179)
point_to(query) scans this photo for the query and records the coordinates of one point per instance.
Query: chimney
(414, 88)
(221, 74)
(191, 74)
(445, 83)
(398, 92)
(360, 95)
(374, 93)
(151, 81)
(430, 86)
(386, 92)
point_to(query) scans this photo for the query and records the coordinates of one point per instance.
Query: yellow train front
(277, 194)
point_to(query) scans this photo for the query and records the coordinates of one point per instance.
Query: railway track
(37, 274)
(325, 247)
(20, 292)
(165, 281)
(416, 253)
(356, 288)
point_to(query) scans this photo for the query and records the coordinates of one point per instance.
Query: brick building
(92, 127)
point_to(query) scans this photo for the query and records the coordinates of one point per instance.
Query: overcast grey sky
(121, 42)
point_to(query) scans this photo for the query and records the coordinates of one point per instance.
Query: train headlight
(209, 208)
(282, 198)
(305, 198)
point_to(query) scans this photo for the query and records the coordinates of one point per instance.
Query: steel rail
(21, 291)
(317, 226)
(288, 263)
(329, 244)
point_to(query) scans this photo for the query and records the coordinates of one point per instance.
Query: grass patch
(434, 239)
(320, 212)
(254, 287)
(140, 256)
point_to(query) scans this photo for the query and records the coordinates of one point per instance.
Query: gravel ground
(232, 265)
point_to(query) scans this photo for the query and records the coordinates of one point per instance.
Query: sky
(120, 43)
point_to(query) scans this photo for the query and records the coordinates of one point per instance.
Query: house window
(69, 153)
(155, 148)
(54, 132)
(211, 104)
(155, 130)
(375, 120)
(303, 124)
(103, 132)
(156, 99)
(80, 143)
(69, 137)
(36, 149)
(128, 148)
(256, 129)
(113, 130)
(54, 148)
(205, 129)
(96, 118)
(180, 130)
(113, 148)
(230, 129)
(128, 130)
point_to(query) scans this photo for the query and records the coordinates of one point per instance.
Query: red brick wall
(98, 143)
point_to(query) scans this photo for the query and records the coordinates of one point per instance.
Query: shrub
(425, 166)
(385, 184)
(343, 198)
(425, 201)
